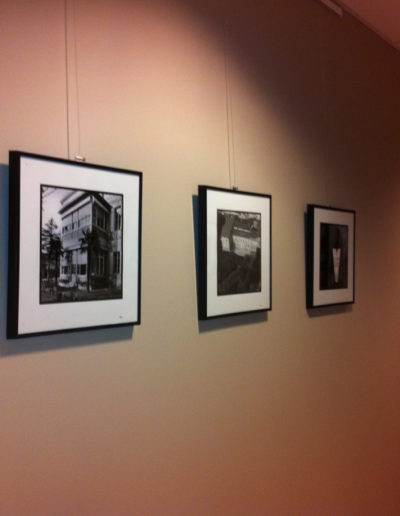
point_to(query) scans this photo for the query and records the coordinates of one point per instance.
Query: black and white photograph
(334, 256)
(239, 252)
(234, 247)
(81, 245)
(330, 249)
(74, 245)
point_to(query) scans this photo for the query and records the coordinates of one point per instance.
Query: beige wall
(293, 414)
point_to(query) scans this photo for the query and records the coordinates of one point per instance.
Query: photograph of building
(81, 245)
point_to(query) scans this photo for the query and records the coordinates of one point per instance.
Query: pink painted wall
(294, 414)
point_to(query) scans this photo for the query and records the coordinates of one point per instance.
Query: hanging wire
(71, 66)
(229, 118)
(67, 74)
(79, 157)
(324, 89)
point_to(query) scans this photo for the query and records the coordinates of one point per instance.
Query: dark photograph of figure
(81, 238)
(333, 256)
(238, 252)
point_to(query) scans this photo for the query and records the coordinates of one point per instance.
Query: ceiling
(382, 16)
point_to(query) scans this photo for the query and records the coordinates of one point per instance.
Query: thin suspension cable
(229, 120)
(324, 89)
(78, 115)
(67, 74)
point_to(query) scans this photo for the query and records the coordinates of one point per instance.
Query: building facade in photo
(91, 234)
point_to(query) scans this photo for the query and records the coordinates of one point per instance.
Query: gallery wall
(294, 412)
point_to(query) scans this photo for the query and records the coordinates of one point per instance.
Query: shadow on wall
(275, 47)
(3, 249)
(47, 342)
(305, 65)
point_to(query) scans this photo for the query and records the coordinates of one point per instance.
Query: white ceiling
(382, 16)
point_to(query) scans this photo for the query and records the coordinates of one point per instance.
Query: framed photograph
(330, 256)
(234, 252)
(74, 246)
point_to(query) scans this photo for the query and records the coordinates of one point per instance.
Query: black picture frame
(74, 258)
(330, 256)
(234, 246)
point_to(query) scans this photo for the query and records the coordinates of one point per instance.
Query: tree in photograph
(52, 247)
(91, 244)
